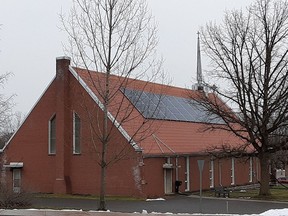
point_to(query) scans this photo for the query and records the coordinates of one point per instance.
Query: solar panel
(166, 107)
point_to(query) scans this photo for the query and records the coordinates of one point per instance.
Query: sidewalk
(46, 212)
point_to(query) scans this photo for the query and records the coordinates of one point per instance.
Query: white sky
(30, 40)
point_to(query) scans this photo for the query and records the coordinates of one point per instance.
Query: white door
(168, 181)
(16, 180)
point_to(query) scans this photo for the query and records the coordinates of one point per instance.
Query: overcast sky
(30, 40)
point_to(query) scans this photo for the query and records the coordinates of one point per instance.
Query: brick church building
(55, 151)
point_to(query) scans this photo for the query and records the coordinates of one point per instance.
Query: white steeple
(199, 67)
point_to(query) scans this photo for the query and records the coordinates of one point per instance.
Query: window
(76, 134)
(232, 171)
(187, 175)
(16, 180)
(250, 169)
(211, 173)
(52, 135)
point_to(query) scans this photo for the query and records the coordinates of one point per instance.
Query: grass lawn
(92, 197)
(278, 193)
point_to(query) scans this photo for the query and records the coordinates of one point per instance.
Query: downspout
(176, 169)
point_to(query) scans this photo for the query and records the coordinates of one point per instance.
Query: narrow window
(52, 135)
(76, 134)
(16, 180)
(211, 172)
(220, 171)
(232, 171)
(187, 175)
(250, 169)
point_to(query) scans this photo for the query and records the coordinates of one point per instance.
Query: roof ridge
(166, 86)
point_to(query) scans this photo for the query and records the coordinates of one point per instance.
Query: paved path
(188, 205)
(57, 213)
(174, 204)
(60, 213)
(78, 213)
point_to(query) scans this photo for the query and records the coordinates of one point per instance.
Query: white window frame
(50, 152)
(211, 173)
(232, 171)
(74, 134)
(187, 174)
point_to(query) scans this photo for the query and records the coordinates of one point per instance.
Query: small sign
(200, 165)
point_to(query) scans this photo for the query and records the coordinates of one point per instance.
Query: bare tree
(115, 37)
(279, 157)
(6, 105)
(13, 122)
(248, 52)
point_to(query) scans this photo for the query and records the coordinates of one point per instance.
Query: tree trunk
(102, 201)
(265, 175)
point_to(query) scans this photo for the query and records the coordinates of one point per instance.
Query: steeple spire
(199, 67)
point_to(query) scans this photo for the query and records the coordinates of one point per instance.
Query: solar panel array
(166, 107)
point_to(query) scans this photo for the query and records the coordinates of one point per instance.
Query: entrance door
(16, 180)
(168, 181)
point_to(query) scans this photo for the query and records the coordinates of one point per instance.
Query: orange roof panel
(167, 137)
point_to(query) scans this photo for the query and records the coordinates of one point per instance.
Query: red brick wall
(153, 177)
(223, 172)
(65, 172)
(122, 177)
(195, 174)
(153, 174)
(30, 145)
(241, 171)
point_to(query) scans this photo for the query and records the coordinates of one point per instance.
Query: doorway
(16, 180)
(168, 188)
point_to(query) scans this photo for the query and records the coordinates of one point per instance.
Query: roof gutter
(196, 154)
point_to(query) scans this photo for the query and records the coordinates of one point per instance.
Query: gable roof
(170, 135)
(93, 94)
(173, 135)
